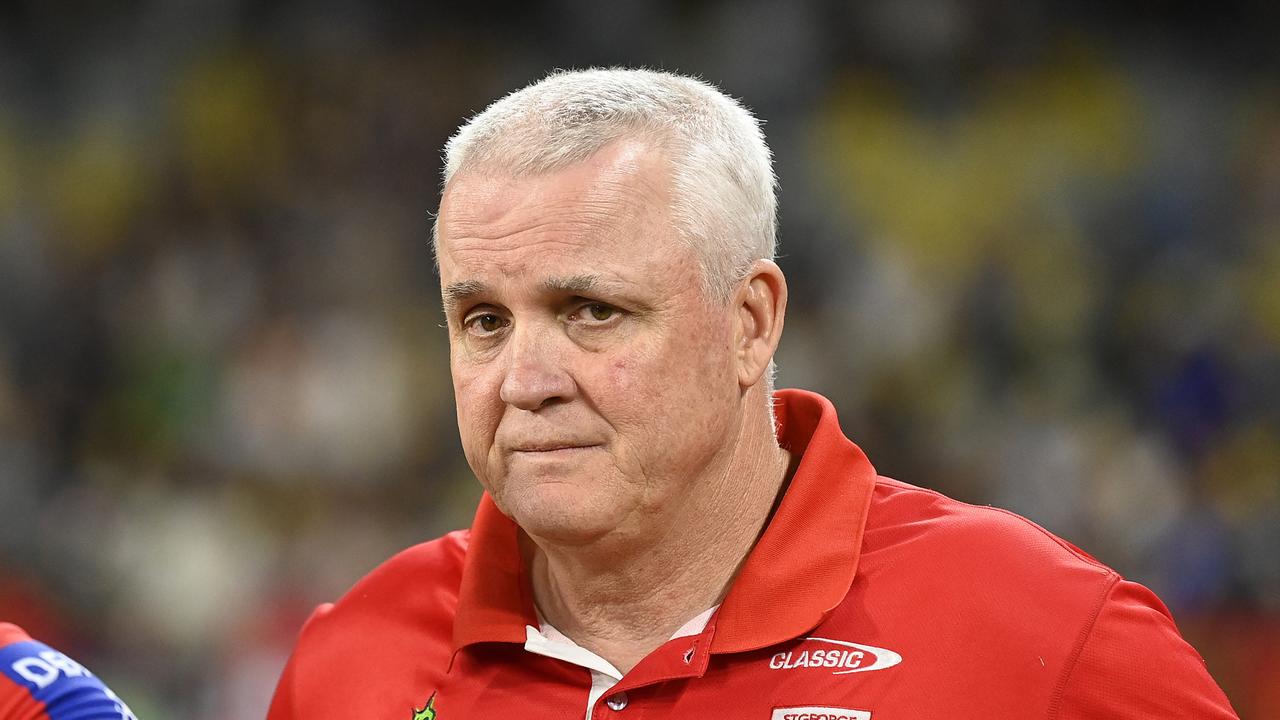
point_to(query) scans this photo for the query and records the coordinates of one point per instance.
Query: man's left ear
(761, 302)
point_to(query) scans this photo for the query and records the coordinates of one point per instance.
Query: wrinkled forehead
(630, 171)
(615, 203)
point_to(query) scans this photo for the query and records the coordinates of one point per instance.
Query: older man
(662, 535)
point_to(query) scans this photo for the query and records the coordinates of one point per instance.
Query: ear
(761, 303)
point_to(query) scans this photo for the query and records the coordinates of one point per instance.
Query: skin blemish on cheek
(620, 372)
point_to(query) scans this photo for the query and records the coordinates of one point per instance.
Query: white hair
(724, 190)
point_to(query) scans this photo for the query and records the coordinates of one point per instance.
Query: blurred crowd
(1033, 249)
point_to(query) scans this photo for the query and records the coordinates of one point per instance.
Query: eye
(595, 313)
(485, 323)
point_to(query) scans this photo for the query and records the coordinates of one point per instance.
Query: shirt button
(616, 702)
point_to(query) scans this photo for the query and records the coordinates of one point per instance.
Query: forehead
(612, 209)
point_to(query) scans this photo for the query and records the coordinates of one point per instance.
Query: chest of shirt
(818, 677)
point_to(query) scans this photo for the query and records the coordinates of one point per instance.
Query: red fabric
(10, 634)
(16, 702)
(992, 617)
(1148, 679)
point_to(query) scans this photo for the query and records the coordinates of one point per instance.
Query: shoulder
(37, 681)
(422, 574)
(902, 514)
(10, 634)
(421, 581)
(391, 626)
(983, 561)
(414, 592)
(1042, 628)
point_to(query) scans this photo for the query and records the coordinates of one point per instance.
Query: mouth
(550, 448)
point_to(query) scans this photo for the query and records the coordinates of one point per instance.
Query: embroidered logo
(428, 712)
(814, 712)
(844, 658)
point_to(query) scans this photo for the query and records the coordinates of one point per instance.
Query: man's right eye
(485, 323)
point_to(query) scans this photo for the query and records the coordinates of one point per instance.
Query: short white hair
(724, 190)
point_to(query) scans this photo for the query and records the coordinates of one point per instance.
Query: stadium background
(1033, 246)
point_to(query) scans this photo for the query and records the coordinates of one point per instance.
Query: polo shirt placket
(550, 642)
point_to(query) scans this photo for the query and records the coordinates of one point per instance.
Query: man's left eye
(594, 313)
(600, 312)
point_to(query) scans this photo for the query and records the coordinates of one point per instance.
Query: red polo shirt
(864, 598)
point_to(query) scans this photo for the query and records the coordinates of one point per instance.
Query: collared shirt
(546, 640)
(40, 683)
(864, 597)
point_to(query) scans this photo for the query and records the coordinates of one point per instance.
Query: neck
(624, 596)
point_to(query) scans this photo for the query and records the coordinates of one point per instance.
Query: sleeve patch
(67, 690)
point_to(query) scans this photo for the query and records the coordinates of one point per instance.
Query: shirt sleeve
(282, 702)
(40, 683)
(1134, 664)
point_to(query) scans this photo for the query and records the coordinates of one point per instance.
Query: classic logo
(814, 712)
(428, 712)
(839, 656)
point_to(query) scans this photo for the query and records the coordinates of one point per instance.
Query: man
(661, 535)
(40, 683)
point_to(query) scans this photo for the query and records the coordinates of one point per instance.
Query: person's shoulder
(391, 623)
(435, 565)
(977, 547)
(10, 634)
(416, 588)
(946, 579)
(37, 681)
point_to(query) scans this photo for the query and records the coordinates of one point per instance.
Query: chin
(560, 513)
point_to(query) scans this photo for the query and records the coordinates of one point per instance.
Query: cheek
(704, 359)
(690, 374)
(621, 374)
(479, 411)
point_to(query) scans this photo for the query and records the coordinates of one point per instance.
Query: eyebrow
(577, 284)
(454, 294)
(595, 286)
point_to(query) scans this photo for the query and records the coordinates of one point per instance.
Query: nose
(535, 374)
